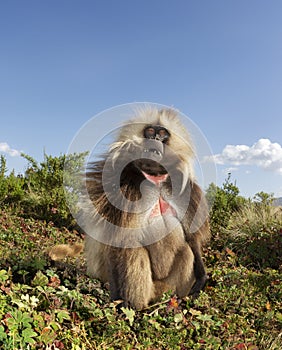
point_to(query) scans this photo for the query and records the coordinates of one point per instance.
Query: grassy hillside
(55, 305)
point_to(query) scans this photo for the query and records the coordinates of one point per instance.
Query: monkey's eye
(162, 133)
(150, 133)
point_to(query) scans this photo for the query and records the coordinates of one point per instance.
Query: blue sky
(219, 62)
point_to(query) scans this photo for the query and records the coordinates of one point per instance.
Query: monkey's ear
(61, 251)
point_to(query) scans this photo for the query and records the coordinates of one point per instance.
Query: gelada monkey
(150, 217)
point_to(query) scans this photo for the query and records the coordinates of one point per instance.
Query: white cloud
(263, 153)
(279, 192)
(5, 148)
(226, 171)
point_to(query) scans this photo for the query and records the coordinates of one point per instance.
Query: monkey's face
(155, 146)
(155, 156)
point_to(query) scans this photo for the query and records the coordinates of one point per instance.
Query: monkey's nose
(152, 149)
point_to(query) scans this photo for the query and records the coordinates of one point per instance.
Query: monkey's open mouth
(149, 167)
(155, 179)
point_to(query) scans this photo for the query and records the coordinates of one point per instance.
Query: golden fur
(139, 272)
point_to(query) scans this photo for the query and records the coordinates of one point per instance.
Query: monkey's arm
(199, 269)
(196, 227)
(130, 276)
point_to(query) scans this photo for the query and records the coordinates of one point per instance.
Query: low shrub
(223, 202)
(255, 234)
(40, 192)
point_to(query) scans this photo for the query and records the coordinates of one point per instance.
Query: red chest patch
(162, 208)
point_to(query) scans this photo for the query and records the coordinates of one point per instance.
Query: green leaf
(26, 319)
(205, 318)
(63, 315)
(178, 318)
(194, 312)
(129, 313)
(40, 280)
(3, 276)
(3, 335)
(279, 317)
(28, 335)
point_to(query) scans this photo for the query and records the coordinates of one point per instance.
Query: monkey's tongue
(156, 180)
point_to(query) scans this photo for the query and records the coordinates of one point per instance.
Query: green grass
(47, 305)
(255, 232)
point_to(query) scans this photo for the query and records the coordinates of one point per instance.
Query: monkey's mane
(128, 190)
(124, 193)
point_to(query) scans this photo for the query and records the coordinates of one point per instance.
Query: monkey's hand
(198, 286)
